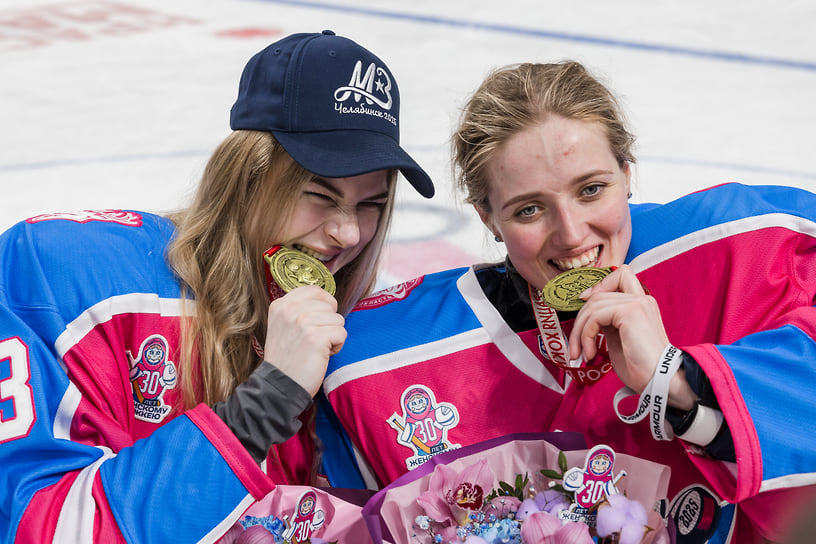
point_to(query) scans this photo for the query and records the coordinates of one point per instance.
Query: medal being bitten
(561, 293)
(290, 268)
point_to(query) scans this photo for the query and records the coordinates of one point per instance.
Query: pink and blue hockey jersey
(431, 364)
(94, 446)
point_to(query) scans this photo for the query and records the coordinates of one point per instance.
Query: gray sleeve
(264, 410)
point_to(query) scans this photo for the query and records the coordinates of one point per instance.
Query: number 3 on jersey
(16, 399)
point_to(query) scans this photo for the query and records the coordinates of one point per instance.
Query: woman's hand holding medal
(304, 328)
(620, 308)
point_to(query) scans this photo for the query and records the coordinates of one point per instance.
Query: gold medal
(290, 268)
(561, 292)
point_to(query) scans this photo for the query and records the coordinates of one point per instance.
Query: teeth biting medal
(561, 293)
(288, 268)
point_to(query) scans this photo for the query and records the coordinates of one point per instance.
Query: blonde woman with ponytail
(681, 332)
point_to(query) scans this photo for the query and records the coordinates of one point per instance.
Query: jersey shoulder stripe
(713, 214)
(401, 315)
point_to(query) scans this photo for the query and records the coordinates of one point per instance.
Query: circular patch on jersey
(696, 514)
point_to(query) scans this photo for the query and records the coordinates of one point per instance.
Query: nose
(568, 227)
(344, 228)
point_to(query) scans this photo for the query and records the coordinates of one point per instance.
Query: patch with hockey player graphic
(424, 424)
(311, 515)
(591, 484)
(306, 518)
(151, 374)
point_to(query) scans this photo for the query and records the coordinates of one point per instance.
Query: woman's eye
(592, 190)
(527, 211)
(319, 196)
(371, 205)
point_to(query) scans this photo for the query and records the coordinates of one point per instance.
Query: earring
(629, 195)
(498, 238)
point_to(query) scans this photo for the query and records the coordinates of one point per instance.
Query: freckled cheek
(530, 255)
(610, 218)
(619, 231)
(614, 225)
(523, 245)
(625, 221)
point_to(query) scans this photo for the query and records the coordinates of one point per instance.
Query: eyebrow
(326, 185)
(335, 191)
(519, 198)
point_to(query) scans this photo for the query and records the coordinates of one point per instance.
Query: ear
(627, 170)
(484, 215)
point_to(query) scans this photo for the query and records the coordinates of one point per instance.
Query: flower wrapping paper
(340, 509)
(390, 514)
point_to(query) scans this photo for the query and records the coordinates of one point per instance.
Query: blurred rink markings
(119, 104)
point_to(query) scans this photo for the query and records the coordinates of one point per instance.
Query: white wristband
(705, 426)
(655, 396)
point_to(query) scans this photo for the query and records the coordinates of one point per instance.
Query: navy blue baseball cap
(332, 104)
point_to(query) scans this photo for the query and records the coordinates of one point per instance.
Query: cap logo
(374, 85)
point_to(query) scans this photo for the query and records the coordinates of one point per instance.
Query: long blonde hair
(517, 97)
(247, 194)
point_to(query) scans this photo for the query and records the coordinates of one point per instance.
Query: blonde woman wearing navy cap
(149, 390)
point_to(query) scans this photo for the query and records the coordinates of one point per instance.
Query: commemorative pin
(288, 268)
(561, 293)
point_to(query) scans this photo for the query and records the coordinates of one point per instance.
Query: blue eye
(527, 211)
(592, 190)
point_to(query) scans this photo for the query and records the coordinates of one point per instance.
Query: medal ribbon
(655, 397)
(555, 342)
(272, 286)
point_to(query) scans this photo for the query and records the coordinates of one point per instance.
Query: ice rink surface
(119, 104)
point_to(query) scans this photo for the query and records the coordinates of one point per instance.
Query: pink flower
(539, 527)
(256, 534)
(232, 535)
(448, 533)
(454, 495)
(466, 495)
(573, 533)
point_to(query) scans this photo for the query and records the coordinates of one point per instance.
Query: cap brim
(347, 153)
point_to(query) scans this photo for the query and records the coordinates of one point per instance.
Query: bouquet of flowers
(292, 514)
(524, 489)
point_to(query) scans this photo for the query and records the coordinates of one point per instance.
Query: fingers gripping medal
(562, 292)
(287, 269)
